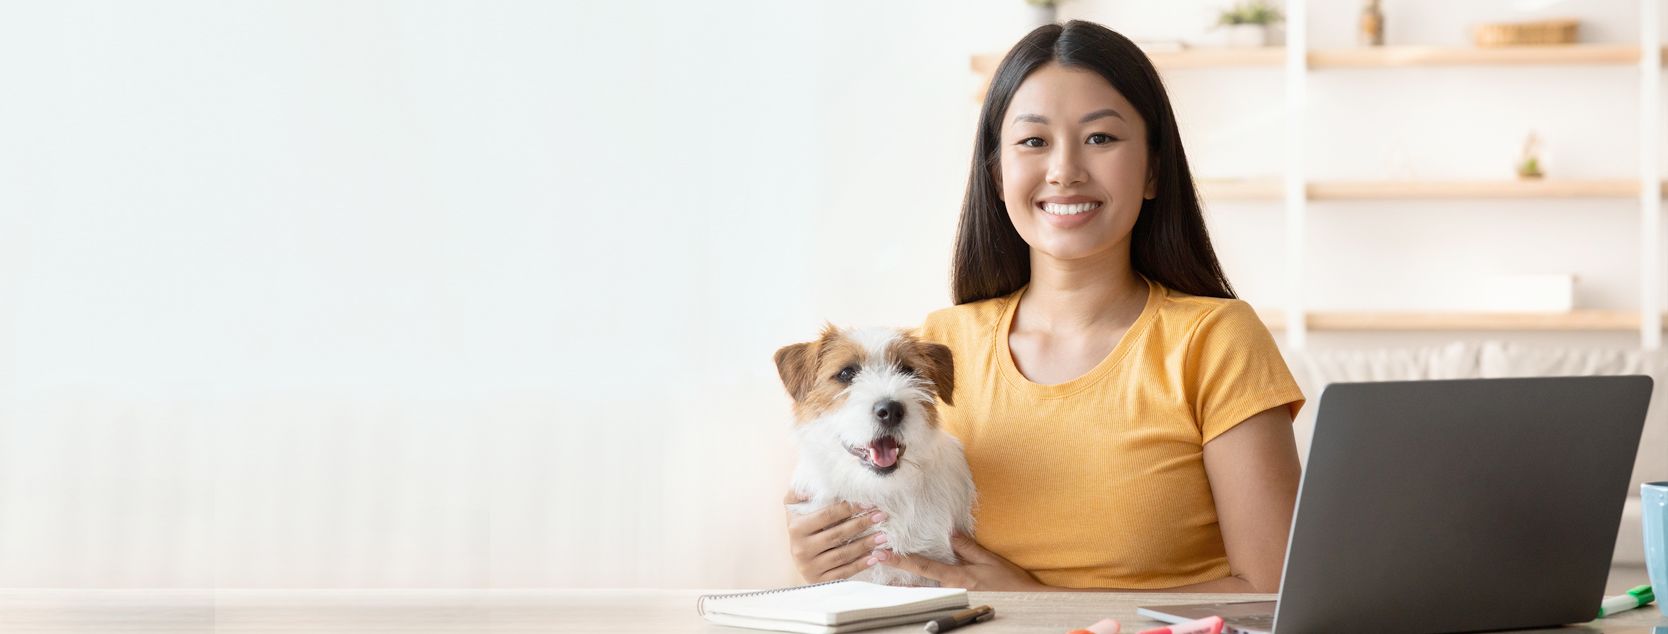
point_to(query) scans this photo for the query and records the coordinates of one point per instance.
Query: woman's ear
(1151, 190)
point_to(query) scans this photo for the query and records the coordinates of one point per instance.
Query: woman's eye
(1101, 139)
(846, 375)
(1028, 142)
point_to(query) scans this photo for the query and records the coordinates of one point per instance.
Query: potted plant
(1042, 12)
(1247, 23)
(1529, 162)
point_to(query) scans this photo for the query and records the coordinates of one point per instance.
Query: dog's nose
(889, 413)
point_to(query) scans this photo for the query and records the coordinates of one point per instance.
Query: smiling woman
(1110, 116)
(1126, 420)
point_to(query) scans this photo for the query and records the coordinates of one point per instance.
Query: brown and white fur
(866, 421)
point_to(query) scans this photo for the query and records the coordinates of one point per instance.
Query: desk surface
(602, 611)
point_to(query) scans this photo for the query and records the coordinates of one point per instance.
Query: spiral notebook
(831, 607)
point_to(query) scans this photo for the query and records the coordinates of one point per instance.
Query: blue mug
(1655, 497)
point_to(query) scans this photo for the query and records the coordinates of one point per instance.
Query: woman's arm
(1253, 473)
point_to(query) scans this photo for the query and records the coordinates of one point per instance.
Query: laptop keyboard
(1260, 623)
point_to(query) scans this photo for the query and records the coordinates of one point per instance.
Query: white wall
(457, 294)
(446, 294)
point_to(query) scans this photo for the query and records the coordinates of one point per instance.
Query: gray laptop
(1453, 506)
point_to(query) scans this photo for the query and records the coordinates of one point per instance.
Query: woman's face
(1073, 164)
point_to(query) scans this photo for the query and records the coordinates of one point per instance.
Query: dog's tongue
(883, 452)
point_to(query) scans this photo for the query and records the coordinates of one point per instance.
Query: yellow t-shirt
(1100, 481)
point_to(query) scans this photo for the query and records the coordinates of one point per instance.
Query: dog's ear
(937, 365)
(798, 366)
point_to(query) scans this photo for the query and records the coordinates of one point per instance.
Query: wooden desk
(602, 611)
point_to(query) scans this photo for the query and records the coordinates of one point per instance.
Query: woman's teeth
(1068, 210)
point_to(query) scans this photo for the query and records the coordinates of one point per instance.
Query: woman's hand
(979, 569)
(829, 544)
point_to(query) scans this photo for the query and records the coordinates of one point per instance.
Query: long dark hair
(1168, 245)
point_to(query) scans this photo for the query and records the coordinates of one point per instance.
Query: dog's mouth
(881, 455)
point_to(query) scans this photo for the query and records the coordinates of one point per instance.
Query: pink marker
(1103, 626)
(1207, 625)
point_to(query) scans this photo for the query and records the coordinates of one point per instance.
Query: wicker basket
(1527, 33)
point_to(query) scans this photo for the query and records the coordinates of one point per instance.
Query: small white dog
(866, 421)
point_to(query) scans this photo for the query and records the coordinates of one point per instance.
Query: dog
(866, 424)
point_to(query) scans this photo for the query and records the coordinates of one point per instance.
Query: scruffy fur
(929, 491)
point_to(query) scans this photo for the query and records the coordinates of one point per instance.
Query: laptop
(1453, 506)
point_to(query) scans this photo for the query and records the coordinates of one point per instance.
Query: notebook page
(836, 603)
(809, 628)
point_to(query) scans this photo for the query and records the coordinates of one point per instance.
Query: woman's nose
(1065, 168)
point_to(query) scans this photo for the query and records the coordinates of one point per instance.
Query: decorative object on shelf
(1372, 24)
(1527, 33)
(1043, 12)
(1529, 164)
(1248, 23)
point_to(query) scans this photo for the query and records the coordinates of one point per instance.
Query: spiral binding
(701, 602)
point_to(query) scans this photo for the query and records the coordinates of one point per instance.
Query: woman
(1127, 421)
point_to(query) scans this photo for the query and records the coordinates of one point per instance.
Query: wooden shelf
(1218, 57)
(1396, 56)
(1274, 190)
(1402, 190)
(1380, 57)
(1391, 321)
(985, 65)
(1266, 190)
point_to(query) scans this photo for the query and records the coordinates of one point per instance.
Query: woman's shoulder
(1200, 313)
(957, 322)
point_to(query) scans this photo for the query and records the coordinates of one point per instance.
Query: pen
(965, 617)
(1636, 598)
(1207, 625)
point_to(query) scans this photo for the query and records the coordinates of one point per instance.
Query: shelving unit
(1251, 190)
(1271, 56)
(1213, 190)
(1403, 190)
(1381, 57)
(1295, 189)
(1393, 321)
(1393, 56)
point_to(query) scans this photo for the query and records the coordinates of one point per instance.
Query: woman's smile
(1066, 212)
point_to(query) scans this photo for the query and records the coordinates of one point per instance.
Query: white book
(832, 607)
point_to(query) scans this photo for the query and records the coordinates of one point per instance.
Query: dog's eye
(908, 370)
(847, 374)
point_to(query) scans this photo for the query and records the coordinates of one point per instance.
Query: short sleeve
(1234, 371)
(931, 328)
